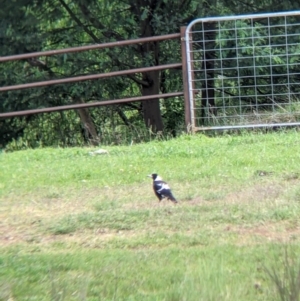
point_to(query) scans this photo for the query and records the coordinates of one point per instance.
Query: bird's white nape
(158, 178)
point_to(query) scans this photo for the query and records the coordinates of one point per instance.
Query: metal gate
(244, 71)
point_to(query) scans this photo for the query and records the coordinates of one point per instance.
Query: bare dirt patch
(281, 232)
(21, 221)
(257, 193)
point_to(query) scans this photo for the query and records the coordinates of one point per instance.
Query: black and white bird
(161, 188)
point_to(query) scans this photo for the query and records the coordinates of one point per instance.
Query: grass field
(81, 227)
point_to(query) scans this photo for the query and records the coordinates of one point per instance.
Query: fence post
(189, 123)
(187, 109)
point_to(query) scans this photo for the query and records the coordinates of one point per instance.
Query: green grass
(81, 227)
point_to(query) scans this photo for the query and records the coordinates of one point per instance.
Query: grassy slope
(81, 227)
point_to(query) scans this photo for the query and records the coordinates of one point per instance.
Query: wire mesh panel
(244, 71)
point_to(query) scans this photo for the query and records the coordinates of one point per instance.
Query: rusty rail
(88, 77)
(88, 105)
(89, 47)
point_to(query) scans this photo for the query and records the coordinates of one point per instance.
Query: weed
(285, 274)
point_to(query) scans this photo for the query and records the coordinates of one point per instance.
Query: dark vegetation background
(29, 26)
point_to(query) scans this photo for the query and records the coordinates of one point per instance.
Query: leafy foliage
(29, 26)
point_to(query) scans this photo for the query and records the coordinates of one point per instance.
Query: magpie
(161, 188)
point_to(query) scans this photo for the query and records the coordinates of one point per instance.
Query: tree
(62, 23)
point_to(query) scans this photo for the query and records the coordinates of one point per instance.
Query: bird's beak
(150, 176)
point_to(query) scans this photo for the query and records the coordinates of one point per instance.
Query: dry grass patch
(279, 232)
(259, 192)
(27, 221)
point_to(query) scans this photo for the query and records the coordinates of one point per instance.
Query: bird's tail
(172, 198)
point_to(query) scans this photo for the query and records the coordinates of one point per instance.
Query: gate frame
(190, 73)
